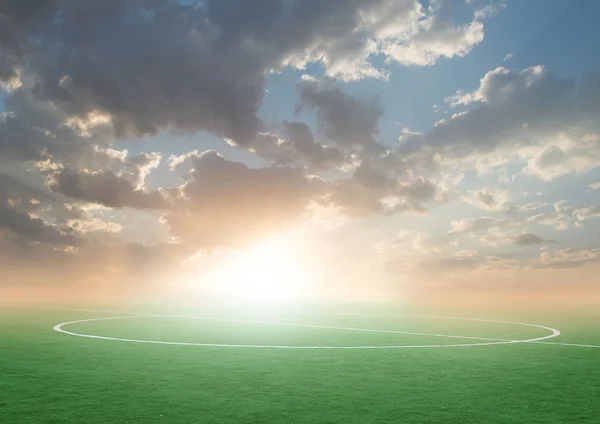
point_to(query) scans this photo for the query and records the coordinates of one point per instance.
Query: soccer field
(124, 366)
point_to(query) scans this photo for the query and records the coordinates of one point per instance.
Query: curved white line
(59, 328)
(309, 313)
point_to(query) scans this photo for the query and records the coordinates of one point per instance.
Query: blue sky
(554, 33)
(447, 135)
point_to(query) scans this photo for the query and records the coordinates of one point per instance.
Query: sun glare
(270, 273)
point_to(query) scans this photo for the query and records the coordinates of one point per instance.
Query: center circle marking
(554, 332)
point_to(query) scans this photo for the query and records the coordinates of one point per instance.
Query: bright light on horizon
(290, 270)
(272, 273)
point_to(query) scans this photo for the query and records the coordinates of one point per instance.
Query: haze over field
(287, 151)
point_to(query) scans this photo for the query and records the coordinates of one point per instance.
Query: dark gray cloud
(343, 119)
(105, 188)
(24, 191)
(317, 154)
(486, 198)
(296, 145)
(528, 239)
(30, 228)
(373, 189)
(34, 129)
(34, 197)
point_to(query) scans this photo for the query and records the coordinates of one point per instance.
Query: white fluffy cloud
(437, 36)
(565, 154)
(587, 213)
(403, 31)
(491, 200)
(525, 116)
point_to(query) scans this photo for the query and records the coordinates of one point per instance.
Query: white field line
(369, 330)
(568, 344)
(327, 327)
(211, 317)
(59, 328)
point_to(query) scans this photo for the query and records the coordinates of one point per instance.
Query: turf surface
(48, 377)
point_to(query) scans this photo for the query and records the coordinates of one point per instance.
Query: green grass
(48, 377)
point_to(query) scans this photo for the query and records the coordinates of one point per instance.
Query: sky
(285, 148)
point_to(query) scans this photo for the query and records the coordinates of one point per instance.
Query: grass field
(49, 377)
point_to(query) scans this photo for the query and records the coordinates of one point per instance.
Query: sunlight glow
(272, 274)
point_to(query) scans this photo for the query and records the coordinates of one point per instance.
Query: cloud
(565, 154)
(499, 232)
(139, 167)
(317, 154)
(226, 203)
(296, 145)
(527, 239)
(192, 84)
(84, 222)
(442, 40)
(567, 259)
(425, 243)
(375, 189)
(587, 213)
(463, 266)
(401, 31)
(35, 129)
(175, 161)
(439, 36)
(508, 57)
(514, 219)
(105, 188)
(594, 186)
(343, 119)
(478, 224)
(460, 98)
(491, 200)
(557, 219)
(531, 206)
(527, 114)
(39, 202)
(30, 228)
